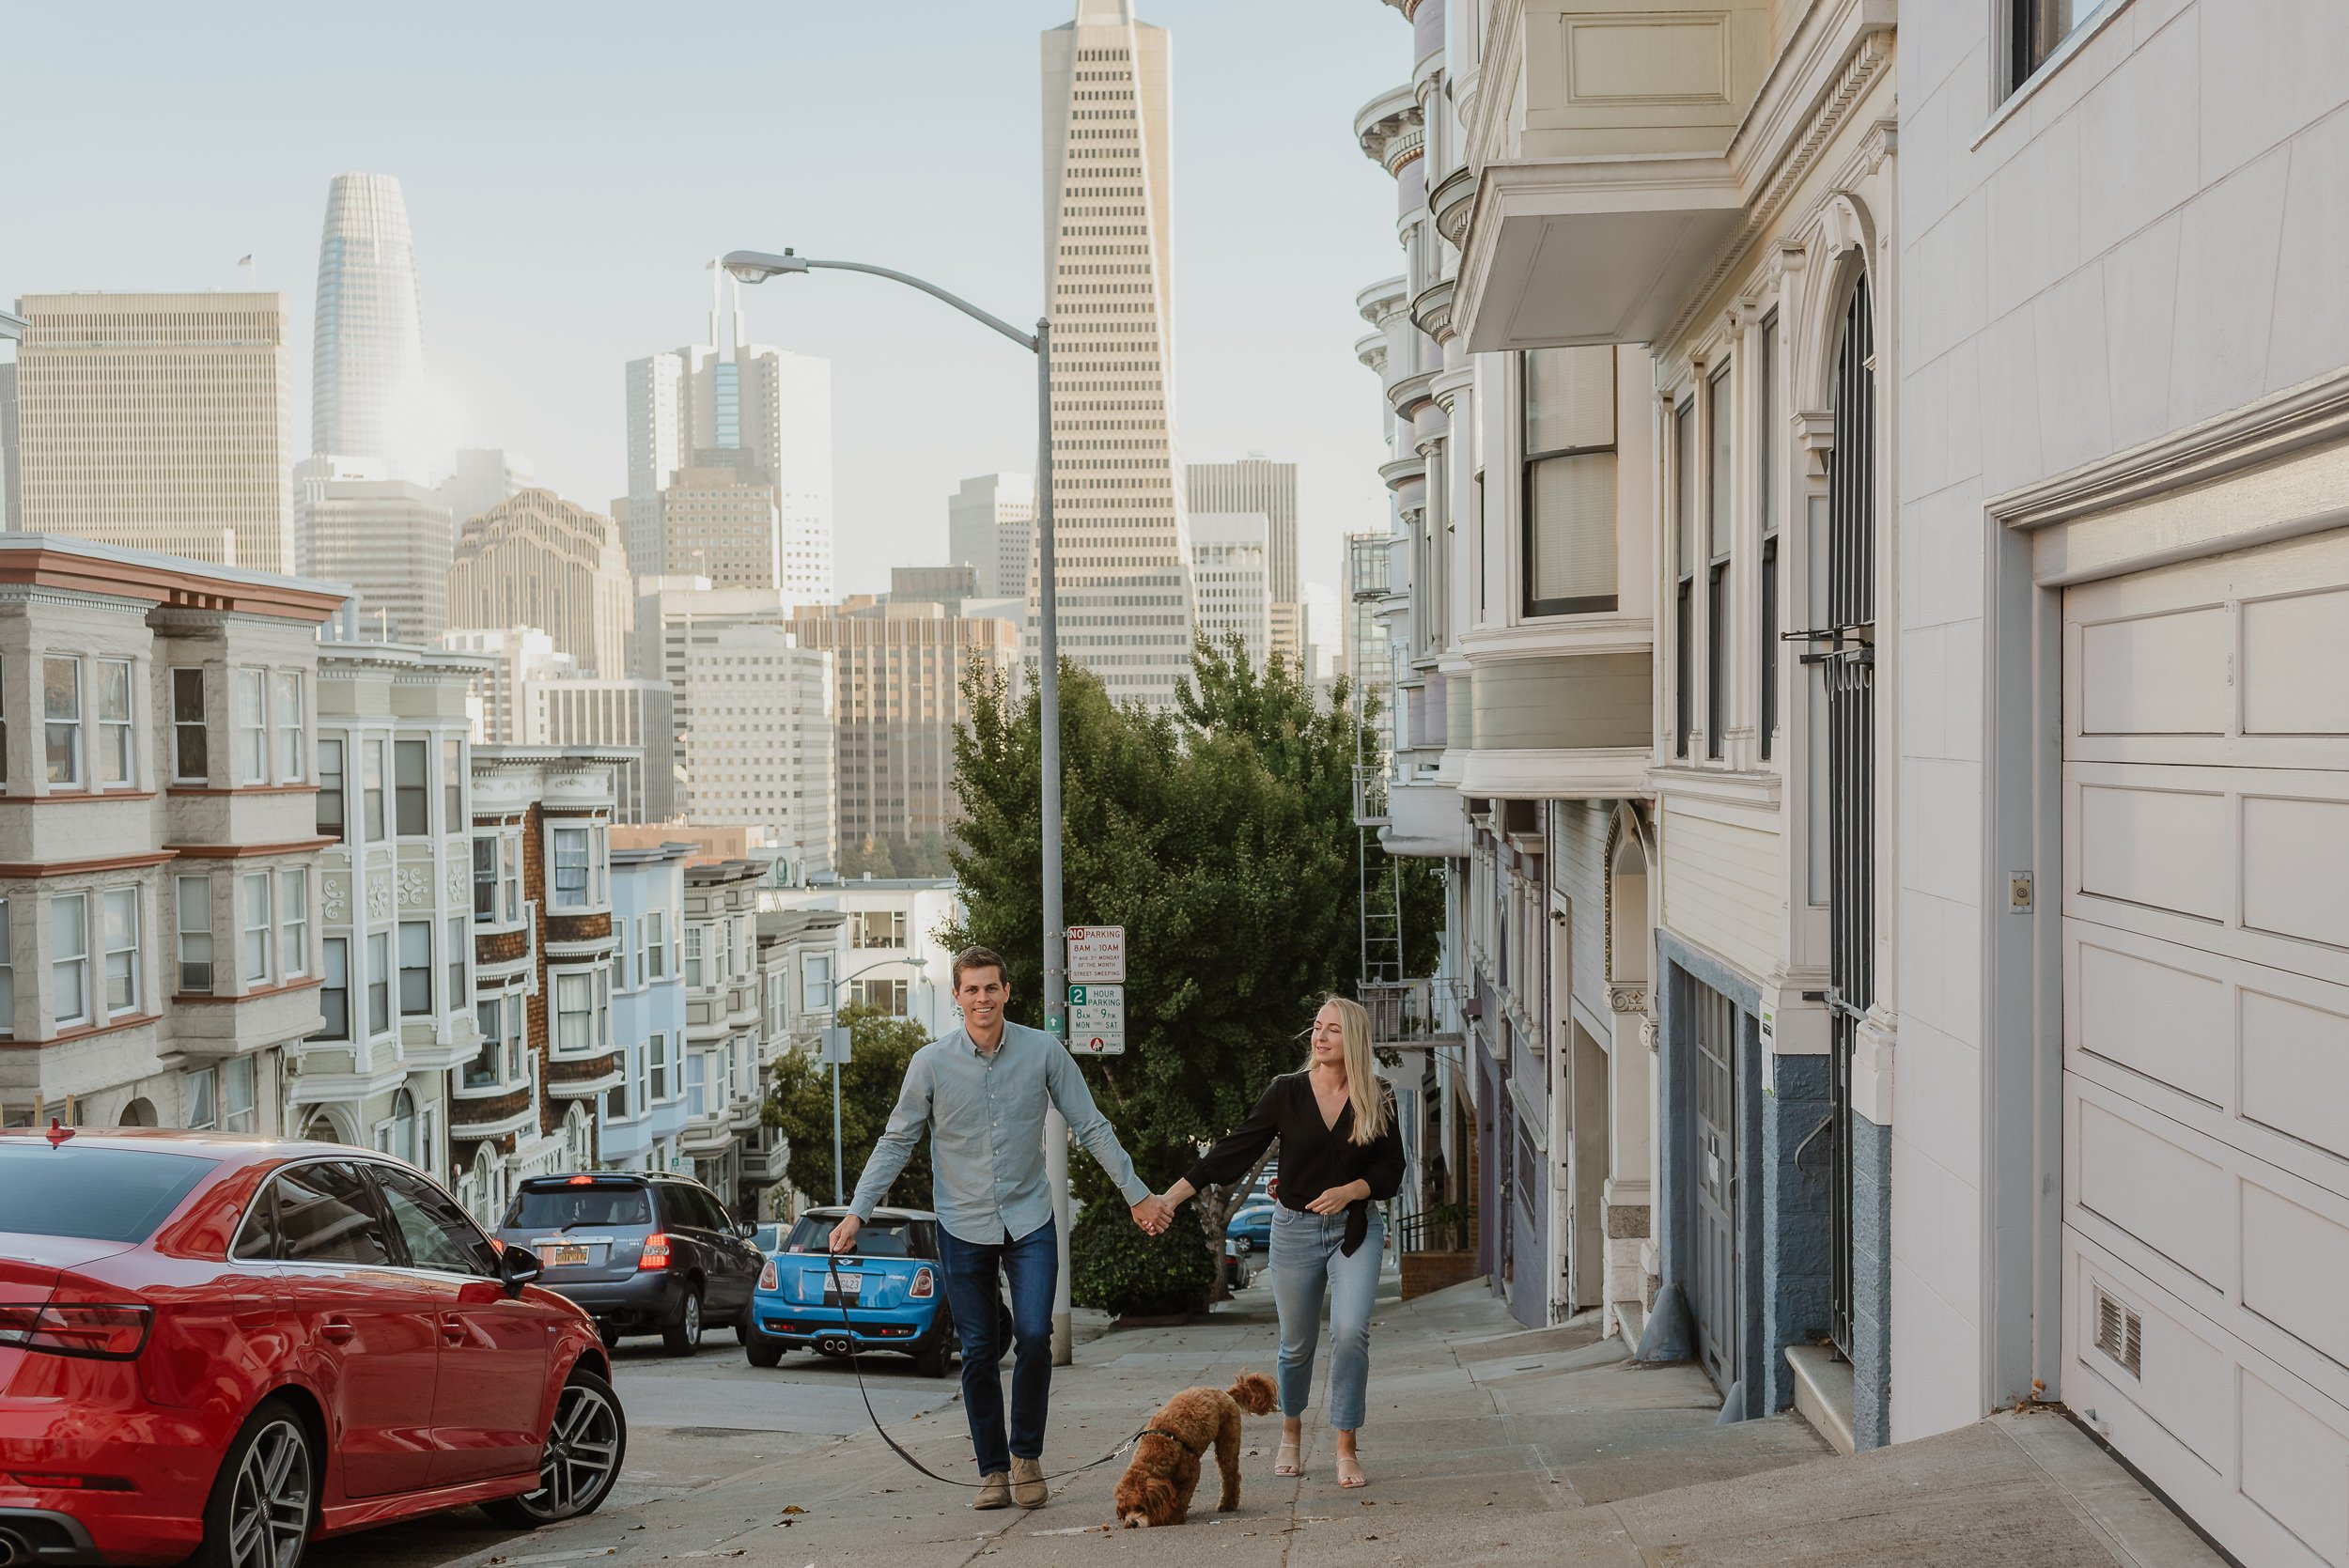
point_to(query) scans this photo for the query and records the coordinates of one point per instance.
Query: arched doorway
(138, 1113)
(399, 1133)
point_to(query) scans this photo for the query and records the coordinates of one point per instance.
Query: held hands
(844, 1234)
(1337, 1197)
(1154, 1213)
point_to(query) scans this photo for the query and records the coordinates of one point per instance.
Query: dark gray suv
(644, 1254)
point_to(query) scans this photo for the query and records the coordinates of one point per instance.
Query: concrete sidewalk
(1484, 1445)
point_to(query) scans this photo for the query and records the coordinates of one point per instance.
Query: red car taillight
(44, 1481)
(925, 1284)
(105, 1333)
(768, 1278)
(656, 1252)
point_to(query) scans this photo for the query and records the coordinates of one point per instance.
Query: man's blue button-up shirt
(985, 1115)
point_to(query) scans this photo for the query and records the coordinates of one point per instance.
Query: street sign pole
(1048, 715)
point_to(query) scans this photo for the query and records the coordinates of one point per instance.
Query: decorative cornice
(1626, 998)
(1452, 201)
(1431, 310)
(1383, 121)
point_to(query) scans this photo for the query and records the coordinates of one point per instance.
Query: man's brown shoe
(1027, 1483)
(994, 1491)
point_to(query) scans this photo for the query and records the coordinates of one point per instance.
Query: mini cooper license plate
(851, 1288)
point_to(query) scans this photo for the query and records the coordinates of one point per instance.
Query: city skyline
(529, 323)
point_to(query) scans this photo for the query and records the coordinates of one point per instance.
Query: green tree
(1221, 836)
(799, 1103)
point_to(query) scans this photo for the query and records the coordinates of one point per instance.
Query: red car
(231, 1347)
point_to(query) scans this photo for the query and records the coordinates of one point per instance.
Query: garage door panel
(2296, 867)
(2160, 673)
(2295, 1069)
(2295, 1271)
(2182, 1376)
(2284, 640)
(2140, 1179)
(2160, 848)
(2295, 1468)
(2159, 1014)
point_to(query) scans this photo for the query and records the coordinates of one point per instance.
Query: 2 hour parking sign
(1096, 1019)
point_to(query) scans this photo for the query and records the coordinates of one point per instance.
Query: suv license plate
(559, 1257)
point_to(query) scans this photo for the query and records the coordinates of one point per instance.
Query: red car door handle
(452, 1329)
(338, 1330)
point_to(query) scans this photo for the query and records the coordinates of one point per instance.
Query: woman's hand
(1337, 1197)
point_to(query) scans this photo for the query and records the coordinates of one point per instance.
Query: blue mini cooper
(891, 1286)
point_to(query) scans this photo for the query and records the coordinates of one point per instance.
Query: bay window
(122, 949)
(256, 928)
(190, 758)
(379, 983)
(295, 904)
(252, 726)
(289, 732)
(1569, 499)
(416, 968)
(570, 868)
(1766, 483)
(61, 720)
(331, 824)
(114, 760)
(458, 940)
(191, 898)
(372, 786)
(485, 881)
(1684, 568)
(335, 995)
(1718, 534)
(411, 800)
(574, 1014)
(69, 955)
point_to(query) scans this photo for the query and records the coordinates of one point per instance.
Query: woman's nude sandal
(1285, 1462)
(1350, 1472)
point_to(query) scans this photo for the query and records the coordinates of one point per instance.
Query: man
(981, 1093)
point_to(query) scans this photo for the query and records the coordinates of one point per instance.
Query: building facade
(156, 422)
(1234, 587)
(757, 743)
(719, 520)
(990, 527)
(897, 705)
(479, 477)
(368, 398)
(387, 538)
(724, 1032)
(641, 1118)
(1257, 484)
(537, 560)
(544, 944)
(394, 915)
(159, 877)
(889, 956)
(1122, 547)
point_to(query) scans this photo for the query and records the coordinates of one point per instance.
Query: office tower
(156, 421)
(524, 694)
(386, 539)
(1122, 550)
(1234, 587)
(990, 526)
(948, 586)
(731, 404)
(478, 478)
(899, 702)
(720, 520)
(367, 393)
(758, 752)
(537, 560)
(1257, 484)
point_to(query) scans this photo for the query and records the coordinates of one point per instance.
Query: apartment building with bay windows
(545, 942)
(642, 1116)
(159, 853)
(395, 808)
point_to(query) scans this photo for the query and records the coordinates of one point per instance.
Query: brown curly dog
(1156, 1488)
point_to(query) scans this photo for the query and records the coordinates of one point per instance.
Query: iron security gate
(1715, 1300)
(1848, 663)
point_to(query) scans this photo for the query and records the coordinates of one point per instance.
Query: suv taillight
(925, 1284)
(105, 1333)
(656, 1252)
(768, 1278)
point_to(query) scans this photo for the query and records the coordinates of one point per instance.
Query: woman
(1340, 1153)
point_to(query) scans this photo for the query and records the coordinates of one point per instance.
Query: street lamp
(757, 267)
(839, 1055)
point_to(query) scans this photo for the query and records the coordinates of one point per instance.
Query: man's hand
(844, 1234)
(1152, 1214)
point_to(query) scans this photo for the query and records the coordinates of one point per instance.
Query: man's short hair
(980, 958)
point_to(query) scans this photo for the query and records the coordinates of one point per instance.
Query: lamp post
(757, 267)
(838, 1195)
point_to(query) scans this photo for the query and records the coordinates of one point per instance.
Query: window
(202, 1097)
(815, 983)
(325, 1214)
(416, 968)
(373, 784)
(696, 1082)
(379, 983)
(296, 895)
(510, 874)
(396, 1137)
(290, 768)
(890, 995)
(485, 881)
(2036, 28)
(190, 761)
(570, 868)
(1718, 534)
(412, 806)
(483, 1070)
(656, 1066)
(656, 936)
(604, 1009)
(68, 951)
(113, 723)
(257, 930)
(1684, 565)
(4, 730)
(516, 1023)
(122, 949)
(436, 1231)
(1767, 482)
(236, 1102)
(61, 719)
(8, 972)
(252, 726)
(877, 929)
(330, 787)
(1569, 398)
(191, 899)
(458, 941)
(335, 995)
(454, 817)
(574, 1014)
(694, 955)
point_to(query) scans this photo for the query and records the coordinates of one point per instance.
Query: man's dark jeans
(1031, 1264)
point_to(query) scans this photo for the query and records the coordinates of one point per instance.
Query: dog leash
(848, 1329)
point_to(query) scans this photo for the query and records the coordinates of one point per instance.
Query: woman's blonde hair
(1364, 1089)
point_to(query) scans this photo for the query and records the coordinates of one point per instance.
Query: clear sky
(569, 168)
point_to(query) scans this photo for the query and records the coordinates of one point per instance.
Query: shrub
(1115, 1266)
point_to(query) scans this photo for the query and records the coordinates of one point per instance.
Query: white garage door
(2207, 1036)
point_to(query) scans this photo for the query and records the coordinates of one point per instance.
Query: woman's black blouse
(1315, 1157)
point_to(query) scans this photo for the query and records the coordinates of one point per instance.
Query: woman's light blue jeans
(1306, 1265)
